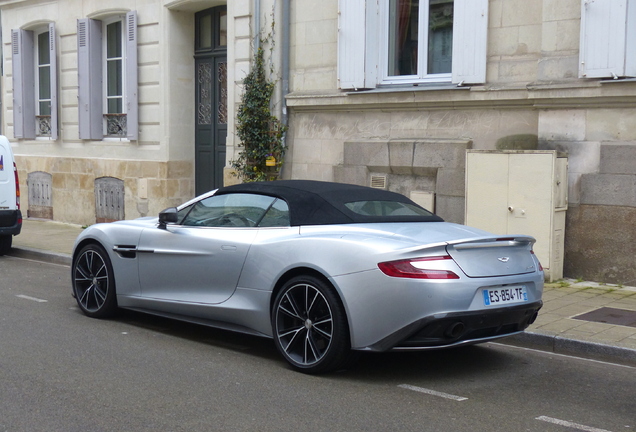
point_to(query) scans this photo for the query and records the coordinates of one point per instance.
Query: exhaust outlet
(455, 330)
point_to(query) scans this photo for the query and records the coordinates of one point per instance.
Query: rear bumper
(10, 222)
(460, 328)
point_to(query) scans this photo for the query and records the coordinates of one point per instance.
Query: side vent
(378, 182)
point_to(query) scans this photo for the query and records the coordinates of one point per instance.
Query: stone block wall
(149, 186)
(432, 165)
(601, 233)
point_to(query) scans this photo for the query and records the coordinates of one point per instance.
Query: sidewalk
(607, 332)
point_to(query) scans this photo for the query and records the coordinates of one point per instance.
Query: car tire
(310, 326)
(94, 282)
(5, 244)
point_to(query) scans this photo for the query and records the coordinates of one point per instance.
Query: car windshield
(386, 208)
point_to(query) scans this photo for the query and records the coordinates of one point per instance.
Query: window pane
(403, 37)
(115, 106)
(45, 108)
(44, 82)
(440, 36)
(276, 216)
(43, 49)
(113, 40)
(114, 83)
(205, 31)
(386, 208)
(223, 28)
(231, 210)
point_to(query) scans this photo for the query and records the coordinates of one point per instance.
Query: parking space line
(433, 392)
(570, 424)
(31, 298)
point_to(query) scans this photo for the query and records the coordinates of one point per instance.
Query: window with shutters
(608, 39)
(388, 42)
(107, 75)
(34, 60)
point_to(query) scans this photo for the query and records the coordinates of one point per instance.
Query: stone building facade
(371, 92)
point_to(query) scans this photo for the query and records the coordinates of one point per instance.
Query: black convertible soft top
(324, 203)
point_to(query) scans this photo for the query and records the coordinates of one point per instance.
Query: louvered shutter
(607, 45)
(132, 97)
(89, 70)
(23, 83)
(53, 83)
(470, 41)
(351, 44)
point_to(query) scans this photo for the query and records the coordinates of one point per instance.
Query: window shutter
(53, 63)
(470, 41)
(607, 39)
(351, 44)
(89, 70)
(132, 97)
(23, 83)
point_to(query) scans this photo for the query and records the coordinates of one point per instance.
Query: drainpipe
(285, 60)
(285, 66)
(257, 24)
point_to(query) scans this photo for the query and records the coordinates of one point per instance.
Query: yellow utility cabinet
(520, 192)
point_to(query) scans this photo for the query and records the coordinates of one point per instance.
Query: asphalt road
(62, 371)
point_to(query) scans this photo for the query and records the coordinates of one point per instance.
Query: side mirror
(167, 216)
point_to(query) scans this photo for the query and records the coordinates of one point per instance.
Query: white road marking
(31, 298)
(570, 424)
(552, 353)
(433, 392)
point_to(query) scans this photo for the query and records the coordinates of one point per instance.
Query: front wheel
(93, 282)
(310, 326)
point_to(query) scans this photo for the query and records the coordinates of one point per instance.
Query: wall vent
(109, 199)
(40, 195)
(378, 182)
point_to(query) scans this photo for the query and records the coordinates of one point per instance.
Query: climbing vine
(260, 132)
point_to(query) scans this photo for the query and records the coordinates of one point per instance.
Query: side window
(107, 76)
(231, 210)
(276, 216)
(34, 57)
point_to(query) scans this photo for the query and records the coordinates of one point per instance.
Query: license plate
(505, 295)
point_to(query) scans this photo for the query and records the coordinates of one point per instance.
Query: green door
(211, 98)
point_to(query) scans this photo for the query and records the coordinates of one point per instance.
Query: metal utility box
(520, 192)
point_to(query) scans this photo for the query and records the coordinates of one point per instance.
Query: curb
(573, 347)
(40, 255)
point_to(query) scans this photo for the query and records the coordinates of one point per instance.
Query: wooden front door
(211, 97)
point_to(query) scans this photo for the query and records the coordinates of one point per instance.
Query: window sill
(401, 88)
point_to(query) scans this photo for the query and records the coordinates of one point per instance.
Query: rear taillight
(17, 186)
(540, 266)
(416, 268)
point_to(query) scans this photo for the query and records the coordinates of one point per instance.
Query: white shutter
(23, 83)
(132, 102)
(605, 48)
(351, 44)
(470, 41)
(89, 70)
(53, 83)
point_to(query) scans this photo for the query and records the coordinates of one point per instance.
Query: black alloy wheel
(93, 282)
(310, 326)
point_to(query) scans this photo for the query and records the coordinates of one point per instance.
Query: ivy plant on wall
(260, 132)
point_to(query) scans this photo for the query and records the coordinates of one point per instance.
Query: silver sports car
(325, 269)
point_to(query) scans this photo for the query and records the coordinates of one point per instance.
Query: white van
(10, 215)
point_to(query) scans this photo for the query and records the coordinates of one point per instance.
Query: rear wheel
(93, 282)
(5, 244)
(310, 326)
